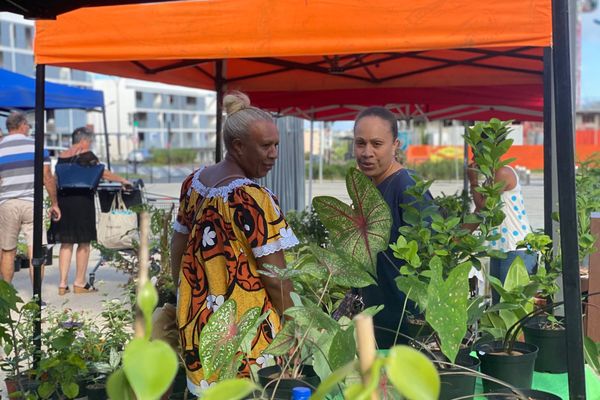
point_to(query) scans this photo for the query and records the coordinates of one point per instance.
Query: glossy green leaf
(415, 289)
(362, 230)
(412, 374)
(150, 367)
(517, 275)
(312, 316)
(344, 270)
(45, 390)
(284, 341)
(230, 389)
(447, 305)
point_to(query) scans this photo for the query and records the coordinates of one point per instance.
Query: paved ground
(109, 281)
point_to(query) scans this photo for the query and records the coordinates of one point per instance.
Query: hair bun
(235, 101)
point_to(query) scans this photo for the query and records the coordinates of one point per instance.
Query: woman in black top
(375, 146)
(78, 222)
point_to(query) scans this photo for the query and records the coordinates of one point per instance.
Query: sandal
(85, 289)
(63, 290)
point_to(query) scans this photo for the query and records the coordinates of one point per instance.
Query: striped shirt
(17, 154)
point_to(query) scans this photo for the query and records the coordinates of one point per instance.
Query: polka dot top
(515, 226)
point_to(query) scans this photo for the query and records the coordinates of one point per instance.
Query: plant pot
(24, 263)
(515, 369)
(552, 344)
(268, 377)
(29, 384)
(96, 391)
(459, 385)
(531, 395)
(463, 352)
(418, 327)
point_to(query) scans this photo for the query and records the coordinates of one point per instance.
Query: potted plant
(16, 325)
(21, 257)
(504, 357)
(542, 328)
(312, 342)
(439, 250)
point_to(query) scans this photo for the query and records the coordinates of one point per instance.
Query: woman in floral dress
(227, 228)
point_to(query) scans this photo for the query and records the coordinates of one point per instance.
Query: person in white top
(513, 229)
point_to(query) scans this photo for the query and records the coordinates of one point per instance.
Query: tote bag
(75, 176)
(118, 228)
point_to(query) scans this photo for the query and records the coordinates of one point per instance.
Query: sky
(590, 57)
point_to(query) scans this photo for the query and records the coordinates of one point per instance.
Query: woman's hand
(127, 185)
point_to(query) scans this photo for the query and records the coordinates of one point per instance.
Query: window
(24, 64)
(190, 101)
(5, 33)
(29, 37)
(65, 74)
(171, 99)
(588, 118)
(139, 96)
(80, 76)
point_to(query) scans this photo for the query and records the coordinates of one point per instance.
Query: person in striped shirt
(16, 191)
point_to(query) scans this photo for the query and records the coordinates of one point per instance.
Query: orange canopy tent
(318, 57)
(322, 59)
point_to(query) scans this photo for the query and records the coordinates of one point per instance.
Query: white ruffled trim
(222, 191)
(285, 242)
(177, 227)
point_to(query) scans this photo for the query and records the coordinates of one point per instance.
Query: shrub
(173, 156)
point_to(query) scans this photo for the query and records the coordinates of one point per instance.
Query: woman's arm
(111, 176)
(278, 291)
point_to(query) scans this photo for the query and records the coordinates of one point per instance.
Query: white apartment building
(16, 55)
(148, 115)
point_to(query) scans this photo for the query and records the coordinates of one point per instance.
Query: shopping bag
(118, 228)
(75, 176)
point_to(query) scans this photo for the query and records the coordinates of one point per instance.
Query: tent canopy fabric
(18, 92)
(45, 9)
(314, 50)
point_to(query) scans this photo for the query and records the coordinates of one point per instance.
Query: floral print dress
(234, 225)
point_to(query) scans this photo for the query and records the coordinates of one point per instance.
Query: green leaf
(591, 354)
(344, 270)
(284, 341)
(447, 305)
(147, 300)
(45, 390)
(71, 389)
(412, 374)
(363, 229)
(312, 316)
(231, 389)
(517, 275)
(415, 289)
(342, 348)
(118, 388)
(150, 367)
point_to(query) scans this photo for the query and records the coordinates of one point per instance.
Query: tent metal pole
(38, 205)
(106, 141)
(563, 116)
(219, 83)
(548, 122)
(310, 163)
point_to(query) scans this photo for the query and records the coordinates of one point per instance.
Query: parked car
(139, 156)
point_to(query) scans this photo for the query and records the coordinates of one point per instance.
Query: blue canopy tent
(18, 92)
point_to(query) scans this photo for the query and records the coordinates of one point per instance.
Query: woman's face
(258, 153)
(374, 146)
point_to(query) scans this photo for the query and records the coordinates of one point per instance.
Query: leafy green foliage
(592, 354)
(447, 306)
(307, 227)
(231, 389)
(587, 183)
(363, 230)
(222, 338)
(150, 367)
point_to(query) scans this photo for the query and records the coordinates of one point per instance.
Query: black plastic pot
(48, 252)
(552, 344)
(463, 352)
(531, 394)
(96, 391)
(458, 385)
(418, 328)
(515, 369)
(268, 376)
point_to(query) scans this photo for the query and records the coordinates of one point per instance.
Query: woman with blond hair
(227, 228)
